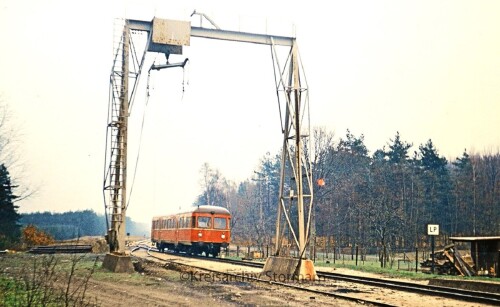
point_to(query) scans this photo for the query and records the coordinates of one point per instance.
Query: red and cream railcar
(203, 229)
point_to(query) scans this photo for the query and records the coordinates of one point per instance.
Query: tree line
(383, 200)
(76, 224)
(59, 226)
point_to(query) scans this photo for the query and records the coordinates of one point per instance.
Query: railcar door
(176, 230)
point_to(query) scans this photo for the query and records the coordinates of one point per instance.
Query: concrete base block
(286, 268)
(118, 263)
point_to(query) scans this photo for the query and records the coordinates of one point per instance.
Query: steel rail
(453, 293)
(244, 277)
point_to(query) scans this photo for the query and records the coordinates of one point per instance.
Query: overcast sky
(428, 69)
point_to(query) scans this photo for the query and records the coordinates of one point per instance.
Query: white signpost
(432, 230)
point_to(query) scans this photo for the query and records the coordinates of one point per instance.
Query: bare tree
(7, 137)
(214, 187)
(9, 154)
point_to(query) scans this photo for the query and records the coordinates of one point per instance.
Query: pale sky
(428, 69)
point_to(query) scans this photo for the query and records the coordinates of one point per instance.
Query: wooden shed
(485, 253)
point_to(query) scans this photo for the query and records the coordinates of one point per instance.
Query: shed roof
(470, 239)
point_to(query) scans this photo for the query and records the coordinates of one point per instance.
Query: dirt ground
(152, 284)
(157, 284)
(174, 285)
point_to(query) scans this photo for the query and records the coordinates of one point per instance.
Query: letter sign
(432, 230)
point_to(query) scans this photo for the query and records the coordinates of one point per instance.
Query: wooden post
(416, 259)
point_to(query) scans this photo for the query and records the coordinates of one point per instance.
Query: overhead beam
(243, 37)
(234, 36)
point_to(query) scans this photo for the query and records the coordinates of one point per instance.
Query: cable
(184, 79)
(140, 142)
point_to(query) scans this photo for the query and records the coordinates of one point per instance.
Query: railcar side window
(204, 222)
(220, 223)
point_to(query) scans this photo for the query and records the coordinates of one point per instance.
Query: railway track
(438, 291)
(239, 277)
(454, 293)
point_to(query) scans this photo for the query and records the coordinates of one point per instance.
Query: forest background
(385, 199)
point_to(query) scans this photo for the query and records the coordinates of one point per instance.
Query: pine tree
(399, 181)
(437, 186)
(465, 178)
(9, 227)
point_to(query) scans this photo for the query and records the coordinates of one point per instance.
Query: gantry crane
(169, 37)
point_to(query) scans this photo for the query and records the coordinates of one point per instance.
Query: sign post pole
(432, 247)
(432, 230)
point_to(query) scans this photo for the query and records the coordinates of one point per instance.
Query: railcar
(202, 229)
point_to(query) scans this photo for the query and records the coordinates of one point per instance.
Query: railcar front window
(204, 222)
(220, 223)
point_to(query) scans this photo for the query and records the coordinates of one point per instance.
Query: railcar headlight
(199, 234)
(223, 236)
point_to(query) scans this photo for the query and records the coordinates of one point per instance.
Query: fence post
(357, 255)
(327, 246)
(237, 250)
(384, 260)
(416, 259)
(314, 253)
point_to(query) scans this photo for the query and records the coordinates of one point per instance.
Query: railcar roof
(201, 209)
(210, 209)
